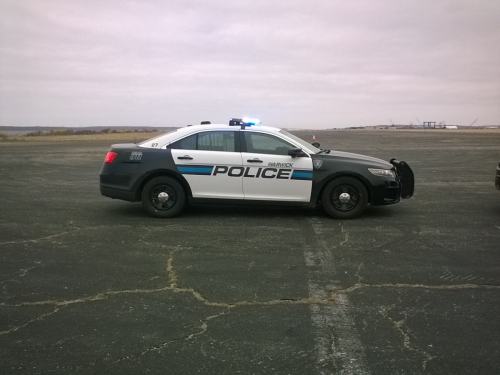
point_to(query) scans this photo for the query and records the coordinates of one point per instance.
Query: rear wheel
(163, 197)
(345, 198)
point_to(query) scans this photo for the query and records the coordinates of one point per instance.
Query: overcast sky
(291, 63)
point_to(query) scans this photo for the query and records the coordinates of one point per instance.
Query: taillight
(110, 157)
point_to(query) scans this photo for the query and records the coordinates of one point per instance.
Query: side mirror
(294, 152)
(315, 144)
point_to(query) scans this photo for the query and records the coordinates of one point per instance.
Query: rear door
(209, 162)
(270, 173)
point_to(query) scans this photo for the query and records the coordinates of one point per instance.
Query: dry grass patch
(111, 137)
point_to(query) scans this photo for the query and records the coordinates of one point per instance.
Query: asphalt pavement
(93, 285)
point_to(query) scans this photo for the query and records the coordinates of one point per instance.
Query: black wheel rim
(340, 204)
(157, 203)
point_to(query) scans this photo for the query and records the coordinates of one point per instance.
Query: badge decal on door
(317, 163)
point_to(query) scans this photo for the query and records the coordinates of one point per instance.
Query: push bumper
(497, 178)
(406, 177)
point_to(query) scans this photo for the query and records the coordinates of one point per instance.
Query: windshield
(309, 147)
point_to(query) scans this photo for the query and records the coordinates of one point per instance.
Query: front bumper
(386, 193)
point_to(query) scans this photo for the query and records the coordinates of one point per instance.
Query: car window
(303, 144)
(188, 143)
(266, 144)
(207, 141)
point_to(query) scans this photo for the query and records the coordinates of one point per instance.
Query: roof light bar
(251, 121)
(236, 121)
(244, 122)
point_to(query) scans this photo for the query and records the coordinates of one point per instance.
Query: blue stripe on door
(196, 169)
(302, 175)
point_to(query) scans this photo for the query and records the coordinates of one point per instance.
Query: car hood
(348, 156)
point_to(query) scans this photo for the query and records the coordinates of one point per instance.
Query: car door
(209, 162)
(272, 174)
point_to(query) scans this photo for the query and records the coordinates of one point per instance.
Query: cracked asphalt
(94, 286)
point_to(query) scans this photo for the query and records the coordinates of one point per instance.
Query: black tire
(348, 206)
(163, 197)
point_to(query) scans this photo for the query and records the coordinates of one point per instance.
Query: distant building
(451, 127)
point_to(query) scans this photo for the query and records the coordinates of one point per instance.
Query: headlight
(382, 172)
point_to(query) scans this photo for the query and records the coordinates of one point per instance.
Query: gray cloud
(292, 63)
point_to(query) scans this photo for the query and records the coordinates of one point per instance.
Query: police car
(243, 162)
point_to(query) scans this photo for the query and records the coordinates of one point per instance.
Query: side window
(266, 144)
(188, 143)
(216, 141)
(207, 141)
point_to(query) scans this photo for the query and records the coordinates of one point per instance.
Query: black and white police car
(244, 162)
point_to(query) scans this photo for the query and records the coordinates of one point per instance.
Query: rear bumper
(119, 194)
(118, 185)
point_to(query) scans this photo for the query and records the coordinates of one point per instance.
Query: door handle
(254, 160)
(185, 157)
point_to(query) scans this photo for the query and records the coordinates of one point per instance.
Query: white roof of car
(193, 128)
(162, 140)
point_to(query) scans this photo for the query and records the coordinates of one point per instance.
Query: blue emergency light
(251, 121)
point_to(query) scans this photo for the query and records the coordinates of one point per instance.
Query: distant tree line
(86, 132)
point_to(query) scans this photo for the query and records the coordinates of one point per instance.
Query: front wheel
(163, 197)
(344, 198)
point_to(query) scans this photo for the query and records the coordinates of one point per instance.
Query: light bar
(251, 121)
(244, 122)
(236, 121)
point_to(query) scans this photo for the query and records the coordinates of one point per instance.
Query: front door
(270, 173)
